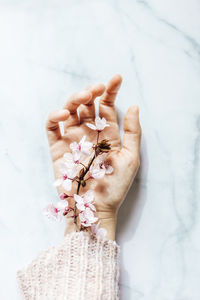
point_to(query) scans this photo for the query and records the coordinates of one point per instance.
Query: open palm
(80, 109)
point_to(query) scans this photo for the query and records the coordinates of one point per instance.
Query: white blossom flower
(69, 172)
(87, 217)
(96, 172)
(100, 124)
(101, 160)
(62, 205)
(70, 160)
(87, 200)
(99, 232)
(51, 212)
(80, 148)
(55, 212)
(100, 167)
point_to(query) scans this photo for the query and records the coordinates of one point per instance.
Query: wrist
(70, 226)
(107, 221)
(110, 226)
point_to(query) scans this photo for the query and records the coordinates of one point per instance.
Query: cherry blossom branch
(82, 178)
(71, 173)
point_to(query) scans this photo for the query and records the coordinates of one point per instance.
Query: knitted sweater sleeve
(81, 267)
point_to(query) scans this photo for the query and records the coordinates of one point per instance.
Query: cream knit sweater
(81, 267)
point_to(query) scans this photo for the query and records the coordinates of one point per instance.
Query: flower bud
(81, 173)
(63, 196)
(83, 183)
(103, 146)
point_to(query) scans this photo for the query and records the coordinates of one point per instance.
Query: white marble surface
(50, 49)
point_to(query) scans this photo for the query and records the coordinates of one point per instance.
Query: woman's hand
(111, 190)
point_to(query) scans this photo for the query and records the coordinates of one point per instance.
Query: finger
(106, 105)
(132, 133)
(87, 111)
(73, 103)
(52, 124)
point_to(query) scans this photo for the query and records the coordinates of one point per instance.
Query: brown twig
(79, 185)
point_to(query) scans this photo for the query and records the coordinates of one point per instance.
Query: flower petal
(51, 212)
(101, 158)
(82, 141)
(67, 184)
(87, 217)
(91, 126)
(80, 206)
(77, 198)
(62, 204)
(93, 220)
(100, 123)
(101, 233)
(109, 169)
(69, 160)
(76, 156)
(96, 172)
(74, 146)
(62, 167)
(89, 196)
(92, 207)
(86, 148)
(72, 172)
(79, 202)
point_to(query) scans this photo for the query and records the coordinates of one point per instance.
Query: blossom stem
(98, 132)
(82, 165)
(79, 185)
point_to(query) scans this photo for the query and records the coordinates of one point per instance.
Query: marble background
(50, 49)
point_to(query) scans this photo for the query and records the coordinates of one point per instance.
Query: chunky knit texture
(81, 267)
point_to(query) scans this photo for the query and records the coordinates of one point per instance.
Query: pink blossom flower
(100, 124)
(51, 212)
(101, 160)
(87, 217)
(62, 205)
(87, 200)
(96, 172)
(70, 160)
(100, 167)
(80, 148)
(99, 232)
(69, 172)
(54, 212)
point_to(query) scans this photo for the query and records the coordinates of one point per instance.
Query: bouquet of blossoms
(86, 161)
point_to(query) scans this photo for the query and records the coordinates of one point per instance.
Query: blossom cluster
(86, 161)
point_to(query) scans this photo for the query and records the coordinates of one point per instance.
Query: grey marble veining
(50, 49)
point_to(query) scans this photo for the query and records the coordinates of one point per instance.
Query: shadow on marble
(129, 217)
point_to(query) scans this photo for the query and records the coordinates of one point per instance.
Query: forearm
(82, 267)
